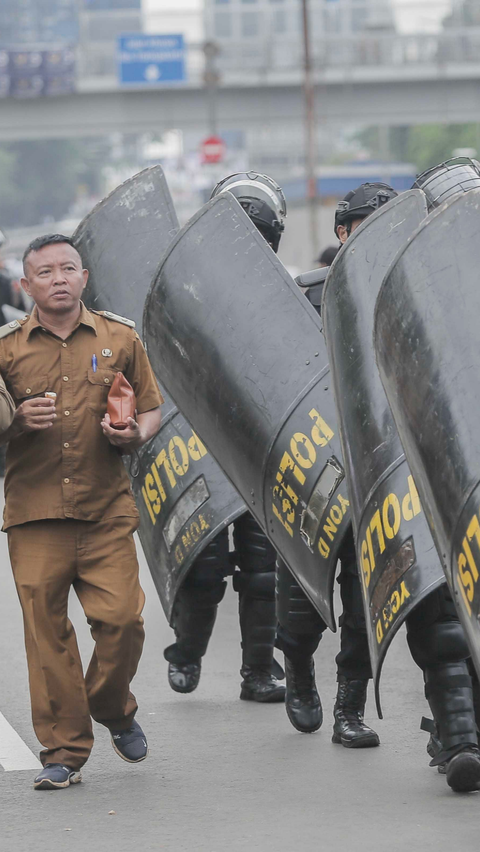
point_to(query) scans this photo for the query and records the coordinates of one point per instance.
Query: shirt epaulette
(116, 318)
(9, 328)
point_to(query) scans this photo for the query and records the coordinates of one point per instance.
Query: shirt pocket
(25, 386)
(99, 384)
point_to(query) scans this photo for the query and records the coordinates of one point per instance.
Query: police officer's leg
(195, 612)
(353, 662)
(299, 631)
(476, 690)
(438, 646)
(255, 584)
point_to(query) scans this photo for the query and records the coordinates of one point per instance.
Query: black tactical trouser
(197, 601)
(434, 633)
(301, 627)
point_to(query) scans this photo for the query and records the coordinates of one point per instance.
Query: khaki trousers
(99, 560)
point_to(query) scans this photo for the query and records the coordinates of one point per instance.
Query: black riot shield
(398, 563)
(241, 351)
(428, 353)
(182, 495)
(123, 239)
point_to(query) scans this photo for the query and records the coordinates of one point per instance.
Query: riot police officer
(300, 626)
(253, 561)
(435, 637)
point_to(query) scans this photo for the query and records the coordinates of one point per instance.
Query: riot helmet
(261, 198)
(448, 179)
(361, 202)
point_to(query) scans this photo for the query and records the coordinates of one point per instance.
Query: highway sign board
(151, 59)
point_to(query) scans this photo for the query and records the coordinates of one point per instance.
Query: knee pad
(253, 550)
(438, 643)
(212, 565)
(255, 585)
(201, 592)
(295, 613)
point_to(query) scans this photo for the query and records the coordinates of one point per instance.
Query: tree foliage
(39, 179)
(424, 145)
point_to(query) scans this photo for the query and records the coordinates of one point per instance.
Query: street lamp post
(211, 79)
(310, 131)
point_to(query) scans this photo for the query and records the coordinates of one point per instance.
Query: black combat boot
(448, 689)
(183, 677)
(193, 619)
(302, 701)
(257, 626)
(349, 729)
(259, 684)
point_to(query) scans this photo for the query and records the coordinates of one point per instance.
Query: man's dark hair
(47, 240)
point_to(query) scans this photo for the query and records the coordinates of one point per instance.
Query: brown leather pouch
(121, 402)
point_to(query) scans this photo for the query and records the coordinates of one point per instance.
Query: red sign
(212, 150)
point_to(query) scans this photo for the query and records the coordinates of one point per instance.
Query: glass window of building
(279, 21)
(222, 24)
(250, 24)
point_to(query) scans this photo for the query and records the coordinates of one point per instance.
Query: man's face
(54, 278)
(342, 232)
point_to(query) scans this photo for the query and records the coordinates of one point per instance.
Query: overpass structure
(384, 80)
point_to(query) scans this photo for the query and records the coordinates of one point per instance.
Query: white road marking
(14, 753)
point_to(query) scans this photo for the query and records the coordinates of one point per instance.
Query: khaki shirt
(71, 470)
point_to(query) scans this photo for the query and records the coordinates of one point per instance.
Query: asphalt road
(226, 775)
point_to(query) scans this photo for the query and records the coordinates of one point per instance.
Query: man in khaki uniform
(69, 511)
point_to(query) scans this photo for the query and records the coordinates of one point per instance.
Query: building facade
(38, 22)
(268, 33)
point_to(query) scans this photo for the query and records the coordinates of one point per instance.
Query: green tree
(40, 182)
(424, 145)
(432, 143)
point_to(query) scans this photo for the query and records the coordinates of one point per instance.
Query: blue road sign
(151, 59)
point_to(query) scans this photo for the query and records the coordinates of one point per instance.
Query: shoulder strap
(9, 328)
(116, 318)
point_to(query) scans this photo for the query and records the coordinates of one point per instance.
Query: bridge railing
(362, 50)
(281, 58)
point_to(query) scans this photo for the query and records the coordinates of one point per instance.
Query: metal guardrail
(362, 50)
(270, 58)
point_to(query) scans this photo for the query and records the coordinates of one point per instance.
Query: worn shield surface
(398, 562)
(182, 495)
(123, 239)
(428, 352)
(241, 351)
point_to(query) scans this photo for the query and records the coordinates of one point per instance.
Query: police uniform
(70, 518)
(254, 557)
(197, 602)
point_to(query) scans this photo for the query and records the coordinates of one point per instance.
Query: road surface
(225, 775)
